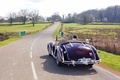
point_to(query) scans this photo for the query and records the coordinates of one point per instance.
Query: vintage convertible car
(73, 52)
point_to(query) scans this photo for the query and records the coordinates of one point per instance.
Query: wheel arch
(59, 53)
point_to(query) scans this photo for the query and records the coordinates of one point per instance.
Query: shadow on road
(50, 66)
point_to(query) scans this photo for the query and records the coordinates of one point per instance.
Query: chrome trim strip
(73, 62)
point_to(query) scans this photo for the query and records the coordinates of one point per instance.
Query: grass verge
(56, 33)
(15, 28)
(11, 39)
(109, 59)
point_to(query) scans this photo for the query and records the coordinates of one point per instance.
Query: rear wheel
(58, 62)
(50, 54)
(49, 51)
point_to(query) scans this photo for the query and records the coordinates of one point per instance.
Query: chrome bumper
(84, 61)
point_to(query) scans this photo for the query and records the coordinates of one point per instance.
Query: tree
(49, 19)
(101, 15)
(71, 18)
(85, 19)
(11, 17)
(34, 15)
(55, 17)
(17, 19)
(24, 14)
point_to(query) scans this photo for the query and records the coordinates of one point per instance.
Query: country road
(27, 59)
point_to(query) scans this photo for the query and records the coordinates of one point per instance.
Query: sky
(49, 7)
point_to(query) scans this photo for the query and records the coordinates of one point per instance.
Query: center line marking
(34, 72)
(31, 48)
(30, 54)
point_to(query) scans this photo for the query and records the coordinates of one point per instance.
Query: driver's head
(74, 37)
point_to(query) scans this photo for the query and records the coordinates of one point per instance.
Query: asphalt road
(27, 59)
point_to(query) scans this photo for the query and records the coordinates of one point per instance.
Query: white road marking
(33, 43)
(32, 64)
(31, 48)
(30, 54)
(34, 72)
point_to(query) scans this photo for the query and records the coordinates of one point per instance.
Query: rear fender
(60, 53)
(95, 52)
(50, 46)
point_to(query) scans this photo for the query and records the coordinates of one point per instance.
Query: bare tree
(11, 17)
(34, 15)
(24, 14)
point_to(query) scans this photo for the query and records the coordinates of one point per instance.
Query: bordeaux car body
(73, 52)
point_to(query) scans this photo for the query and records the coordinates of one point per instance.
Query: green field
(89, 27)
(108, 59)
(13, 30)
(27, 27)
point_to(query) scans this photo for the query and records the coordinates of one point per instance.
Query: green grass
(91, 26)
(110, 60)
(56, 33)
(15, 28)
(103, 23)
(12, 39)
(27, 27)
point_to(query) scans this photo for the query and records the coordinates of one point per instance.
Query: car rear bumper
(83, 61)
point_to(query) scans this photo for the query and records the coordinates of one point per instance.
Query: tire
(50, 54)
(58, 62)
(49, 51)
